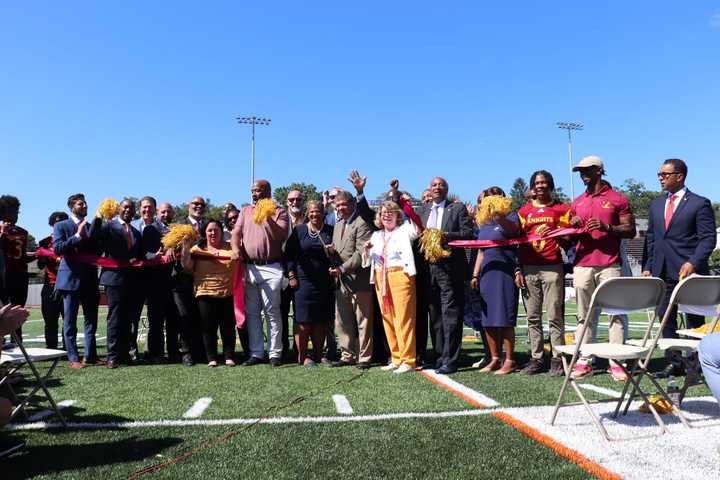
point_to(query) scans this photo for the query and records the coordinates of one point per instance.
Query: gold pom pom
(490, 206)
(177, 235)
(661, 405)
(706, 328)
(431, 243)
(108, 209)
(264, 209)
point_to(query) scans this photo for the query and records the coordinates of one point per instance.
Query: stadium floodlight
(570, 126)
(252, 121)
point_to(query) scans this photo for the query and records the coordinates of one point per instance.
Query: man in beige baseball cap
(589, 161)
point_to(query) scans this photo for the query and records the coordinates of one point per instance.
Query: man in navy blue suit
(77, 282)
(679, 241)
(119, 241)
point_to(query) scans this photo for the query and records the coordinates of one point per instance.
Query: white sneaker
(404, 368)
(388, 367)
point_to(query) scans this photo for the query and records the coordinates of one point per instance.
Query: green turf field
(471, 445)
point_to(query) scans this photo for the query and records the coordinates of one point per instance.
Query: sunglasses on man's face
(198, 204)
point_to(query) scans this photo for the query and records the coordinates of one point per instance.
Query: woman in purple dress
(495, 274)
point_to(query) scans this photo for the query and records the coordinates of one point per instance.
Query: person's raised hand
(357, 181)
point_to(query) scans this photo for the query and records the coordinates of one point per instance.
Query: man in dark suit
(680, 238)
(77, 282)
(445, 286)
(154, 285)
(191, 345)
(119, 241)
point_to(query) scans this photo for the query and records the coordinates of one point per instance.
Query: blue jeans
(710, 361)
(71, 304)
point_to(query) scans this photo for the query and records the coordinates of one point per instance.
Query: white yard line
(46, 413)
(198, 408)
(459, 387)
(247, 421)
(603, 390)
(342, 405)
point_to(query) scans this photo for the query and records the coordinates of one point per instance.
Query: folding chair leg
(561, 397)
(595, 418)
(625, 390)
(658, 419)
(676, 408)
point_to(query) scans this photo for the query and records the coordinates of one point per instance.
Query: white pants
(263, 286)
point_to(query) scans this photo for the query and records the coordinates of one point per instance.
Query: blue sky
(134, 98)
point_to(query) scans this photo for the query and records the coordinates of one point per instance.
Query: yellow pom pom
(177, 235)
(264, 209)
(706, 328)
(661, 405)
(490, 206)
(108, 209)
(431, 243)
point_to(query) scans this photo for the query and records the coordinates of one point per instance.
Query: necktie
(342, 229)
(129, 236)
(669, 209)
(432, 219)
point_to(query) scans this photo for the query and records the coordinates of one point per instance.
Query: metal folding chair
(698, 295)
(613, 296)
(21, 356)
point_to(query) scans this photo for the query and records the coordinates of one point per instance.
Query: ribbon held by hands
(559, 232)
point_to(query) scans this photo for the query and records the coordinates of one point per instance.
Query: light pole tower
(253, 121)
(570, 126)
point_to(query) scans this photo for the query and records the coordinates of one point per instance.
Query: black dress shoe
(187, 360)
(275, 362)
(342, 363)
(363, 365)
(252, 361)
(445, 370)
(670, 370)
(112, 364)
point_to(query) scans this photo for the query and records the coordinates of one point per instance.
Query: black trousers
(154, 289)
(172, 327)
(217, 312)
(118, 322)
(287, 298)
(51, 306)
(15, 291)
(189, 323)
(422, 313)
(446, 304)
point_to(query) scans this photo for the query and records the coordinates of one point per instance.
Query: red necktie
(129, 236)
(669, 209)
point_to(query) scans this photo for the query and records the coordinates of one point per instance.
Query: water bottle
(673, 390)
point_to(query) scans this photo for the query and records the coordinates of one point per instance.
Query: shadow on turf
(49, 459)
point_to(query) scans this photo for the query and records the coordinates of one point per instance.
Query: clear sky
(133, 98)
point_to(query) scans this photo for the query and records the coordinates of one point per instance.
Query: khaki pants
(399, 323)
(354, 324)
(586, 280)
(545, 286)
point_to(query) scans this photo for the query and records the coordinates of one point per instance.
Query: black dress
(305, 255)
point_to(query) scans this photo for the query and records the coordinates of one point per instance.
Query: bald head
(438, 189)
(260, 189)
(165, 213)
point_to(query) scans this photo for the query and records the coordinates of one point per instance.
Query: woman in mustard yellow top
(213, 272)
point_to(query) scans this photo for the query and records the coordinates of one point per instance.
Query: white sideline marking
(342, 405)
(247, 421)
(198, 408)
(475, 395)
(46, 413)
(595, 388)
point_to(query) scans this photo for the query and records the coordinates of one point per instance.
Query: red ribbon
(559, 232)
(238, 278)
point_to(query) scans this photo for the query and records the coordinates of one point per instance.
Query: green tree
(638, 196)
(715, 259)
(32, 243)
(309, 191)
(560, 196)
(517, 193)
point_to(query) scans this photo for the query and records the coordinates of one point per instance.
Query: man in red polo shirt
(607, 216)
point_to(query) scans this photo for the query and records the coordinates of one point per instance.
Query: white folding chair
(698, 295)
(21, 356)
(613, 296)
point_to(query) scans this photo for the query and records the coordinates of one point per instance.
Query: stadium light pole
(570, 126)
(252, 121)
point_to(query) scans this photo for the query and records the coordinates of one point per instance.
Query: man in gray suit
(353, 297)
(445, 287)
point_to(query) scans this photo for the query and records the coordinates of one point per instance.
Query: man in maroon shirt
(52, 302)
(606, 215)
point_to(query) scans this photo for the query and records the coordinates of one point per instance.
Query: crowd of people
(361, 289)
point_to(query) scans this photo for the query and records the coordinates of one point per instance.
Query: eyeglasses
(197, 204)
(666, 174)
(297, 199)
